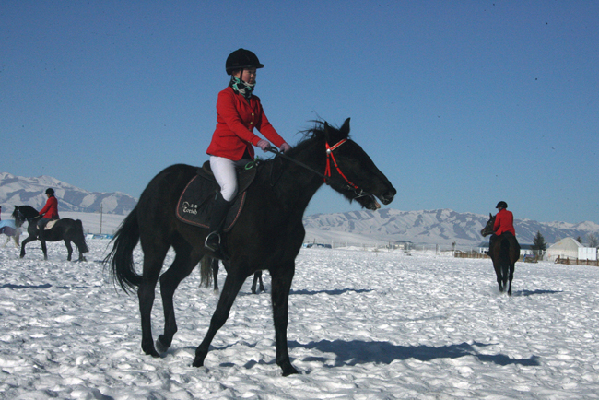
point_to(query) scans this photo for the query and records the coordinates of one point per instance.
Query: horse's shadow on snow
(350, 353)
(332, 292)
(525, 293)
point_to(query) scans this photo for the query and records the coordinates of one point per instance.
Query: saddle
(197, 200)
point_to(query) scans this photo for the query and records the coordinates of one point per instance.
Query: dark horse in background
(209, 273)
(267, 235)
(67, 229)
(504, 252)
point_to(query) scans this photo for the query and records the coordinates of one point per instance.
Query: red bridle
(330, 155)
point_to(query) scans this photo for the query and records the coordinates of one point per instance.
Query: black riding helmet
(49, 191)
(501, 204)
(242, 59)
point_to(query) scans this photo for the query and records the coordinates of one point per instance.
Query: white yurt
(565, 248)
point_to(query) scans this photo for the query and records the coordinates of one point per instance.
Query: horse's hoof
(152, 353)
(161, 347)
(289, 370)
(198, 363)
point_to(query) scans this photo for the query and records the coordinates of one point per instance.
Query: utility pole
(100, 218)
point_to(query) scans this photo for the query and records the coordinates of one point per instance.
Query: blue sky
(460, 103)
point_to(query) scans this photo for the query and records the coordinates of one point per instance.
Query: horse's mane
(314, 133)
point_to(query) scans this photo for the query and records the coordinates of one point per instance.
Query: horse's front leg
(231, 288)
(23, 243)
(280, 306)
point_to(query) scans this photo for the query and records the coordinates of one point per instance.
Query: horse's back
(157, 204)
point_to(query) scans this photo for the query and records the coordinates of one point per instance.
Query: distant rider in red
(49, 212)
(504, 224)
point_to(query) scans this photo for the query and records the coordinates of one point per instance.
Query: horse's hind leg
(153, 257)
(231, 288)
(257, 277)
(45, 250)
(509, 290)
(499, 278)
(67, 243)
(181, 267)
(214, 264)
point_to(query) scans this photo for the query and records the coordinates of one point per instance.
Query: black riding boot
(217, 219)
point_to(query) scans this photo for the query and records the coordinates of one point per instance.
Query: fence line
(575, 261)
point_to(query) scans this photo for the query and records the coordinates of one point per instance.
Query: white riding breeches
(225, 174)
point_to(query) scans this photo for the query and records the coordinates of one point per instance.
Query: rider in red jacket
(504, 224)
(50, 211)
(504, 220)
(238, 111)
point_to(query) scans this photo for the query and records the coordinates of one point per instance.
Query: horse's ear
(490, 216)
(344, 130)
(333, 135)
(328, 133)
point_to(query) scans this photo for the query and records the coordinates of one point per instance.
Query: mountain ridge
(437, 226)
(17, 190)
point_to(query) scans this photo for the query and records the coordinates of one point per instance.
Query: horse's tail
(121, 256)
(206, 271)
(81, 238)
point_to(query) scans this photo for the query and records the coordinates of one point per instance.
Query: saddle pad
(197, 200)
(50, 224)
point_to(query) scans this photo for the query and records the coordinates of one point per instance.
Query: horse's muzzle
(387, 198)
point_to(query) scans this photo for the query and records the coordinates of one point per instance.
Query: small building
(565, 248)
(587, 253)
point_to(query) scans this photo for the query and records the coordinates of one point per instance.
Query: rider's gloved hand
(284, 147)
(263, 144)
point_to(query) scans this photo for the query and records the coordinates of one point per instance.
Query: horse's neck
(297, 183)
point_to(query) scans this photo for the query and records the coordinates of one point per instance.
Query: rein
(327, 172)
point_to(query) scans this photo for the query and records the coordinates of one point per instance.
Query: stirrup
(210, 244)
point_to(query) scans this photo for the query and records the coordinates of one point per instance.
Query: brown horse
(504, 251)
(268, 234)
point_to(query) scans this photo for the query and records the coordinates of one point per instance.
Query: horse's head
(487, 230)
(352, 173)
(23, 213)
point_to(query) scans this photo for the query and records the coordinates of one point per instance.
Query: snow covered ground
(363, 325)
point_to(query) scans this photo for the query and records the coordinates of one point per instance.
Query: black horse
(67, 229)
(267, 235)
(209, 273)
(504, 251)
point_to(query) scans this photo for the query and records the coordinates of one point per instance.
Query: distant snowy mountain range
(17, 190)
(442, 226)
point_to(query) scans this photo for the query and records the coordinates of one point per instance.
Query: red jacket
(235, 121)
(504, 222)
(50, 210)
